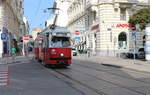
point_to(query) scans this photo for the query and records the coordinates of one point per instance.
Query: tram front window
(60, 42)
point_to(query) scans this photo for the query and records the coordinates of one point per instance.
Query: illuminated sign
(123, 26)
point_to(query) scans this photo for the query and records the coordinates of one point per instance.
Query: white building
(11, 13)
(35, 32)
(49, 22)
(26, 28)
(62, 19)
(107, 31)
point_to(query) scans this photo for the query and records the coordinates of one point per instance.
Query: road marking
(4, 75)
(2, 63)
(3, 84)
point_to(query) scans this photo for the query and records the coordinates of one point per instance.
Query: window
(94, 13)
(122, 40)
(122, 13)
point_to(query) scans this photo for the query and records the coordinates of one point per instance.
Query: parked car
(139, 53)
(74, 52)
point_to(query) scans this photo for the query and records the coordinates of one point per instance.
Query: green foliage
(141, 17)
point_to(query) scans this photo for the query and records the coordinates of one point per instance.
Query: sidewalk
(9, 60)
(136, 65)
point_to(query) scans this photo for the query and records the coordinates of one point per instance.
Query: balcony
(90, 3)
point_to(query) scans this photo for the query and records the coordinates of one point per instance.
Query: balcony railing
(90, 3)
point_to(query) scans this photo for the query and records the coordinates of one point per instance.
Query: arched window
(122, 40)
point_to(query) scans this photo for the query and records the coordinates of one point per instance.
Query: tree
(141, 17)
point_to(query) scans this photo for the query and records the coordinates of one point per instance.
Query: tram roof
(60, 29)
(57, 29)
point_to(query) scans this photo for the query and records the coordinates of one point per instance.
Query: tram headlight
(62, 55)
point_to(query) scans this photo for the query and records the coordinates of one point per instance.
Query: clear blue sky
(34, 12)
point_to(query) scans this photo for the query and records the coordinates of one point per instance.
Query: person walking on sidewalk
(88, 52)
(13, 52)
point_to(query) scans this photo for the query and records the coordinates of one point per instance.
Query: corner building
(106, 29)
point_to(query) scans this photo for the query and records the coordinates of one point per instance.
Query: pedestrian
(88, 52)
(13, 53)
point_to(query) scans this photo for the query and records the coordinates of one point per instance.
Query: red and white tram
(52, 47)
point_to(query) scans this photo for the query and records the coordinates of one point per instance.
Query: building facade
(104, 27)
(35, 32)
(11, 17)
(62, 19)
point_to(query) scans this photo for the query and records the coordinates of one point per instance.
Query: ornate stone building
(103, 25)
(11, 17)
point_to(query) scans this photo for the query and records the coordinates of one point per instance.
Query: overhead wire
(38, 7)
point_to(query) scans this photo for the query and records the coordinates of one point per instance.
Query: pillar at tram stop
(147, 43)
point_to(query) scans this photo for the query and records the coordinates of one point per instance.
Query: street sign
(26, 37)
(133, 35)
(77, 39)
(77, 32)
(3, 36)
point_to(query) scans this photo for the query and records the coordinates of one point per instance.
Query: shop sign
(95, 27)
(26, 37)
(77, 32)
(123, 26)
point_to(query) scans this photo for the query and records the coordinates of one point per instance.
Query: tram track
(100, 70)
(122, 86)
(81, 83)
(63, 77)
(58, 74)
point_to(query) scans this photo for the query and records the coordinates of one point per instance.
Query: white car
(74, 52)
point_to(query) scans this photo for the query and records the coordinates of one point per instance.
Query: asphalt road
(28, 77)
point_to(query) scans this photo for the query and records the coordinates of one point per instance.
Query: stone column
(147, 42)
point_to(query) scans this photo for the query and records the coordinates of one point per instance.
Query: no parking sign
(3, 36)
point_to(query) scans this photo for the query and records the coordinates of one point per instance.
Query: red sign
(77, 32)
(124, 25)
(131, 26)
(95, 27)
(26, 37)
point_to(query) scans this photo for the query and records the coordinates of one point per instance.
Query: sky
(34, 12)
